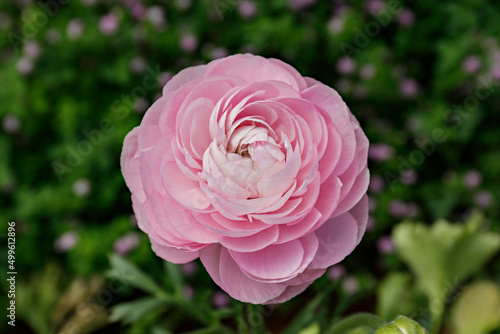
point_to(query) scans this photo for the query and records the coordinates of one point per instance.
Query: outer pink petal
(330, 101)
(337, 238)
(358, 190)
(360, 213)
(290, 292)
(278, 263)
(329, 196)
(226, 273)
(299, 78)
(251, 68)
(149, 130)
(183, 77)
(173, 255)
(129, 162)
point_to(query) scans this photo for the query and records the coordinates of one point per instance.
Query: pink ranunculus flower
(256, 170)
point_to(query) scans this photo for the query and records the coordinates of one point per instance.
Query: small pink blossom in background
(156, 15)
(409, 177)
(398, 208)
(336, 24)
(164, 77)
(483, 199)
(496, 72)
(183, 4)
(247, 9)
(218, 52)
(108, 24)
(346, 65)
(66, 242)
(188, 292)
(220, 299)
(32, 50)
(126, 244)
(406, 18)
(189, 269)
(335, 272)
(367, 72)
(370, 225)
(350, 284)
(81, 187)
(409, 88)
(74, 29)
(138, 65)
(11, 124)
(300, 4)
(189, 43)
(140, 105)
(259, 172)
(380, 152)
(375, 6)
(472, 64)
(372, 204)
(89, 2)
(377, 184)
(25, 65)
(385, 245)
(472, 179)
(139, 12)
(496, 55)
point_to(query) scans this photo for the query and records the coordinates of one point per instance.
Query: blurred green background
(422, 77)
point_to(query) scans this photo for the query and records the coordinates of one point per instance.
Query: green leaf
(129, 313)
(175, 276)
(402, 325)
(358, 323)
(395, 296)
(477, 309)
(313, 328)
(443, 255)
(305, 316)
(128, 273)
(159, 330)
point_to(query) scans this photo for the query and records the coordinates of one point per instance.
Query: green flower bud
(402, 325)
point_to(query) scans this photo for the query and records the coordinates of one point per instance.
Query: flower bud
(402, 325)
